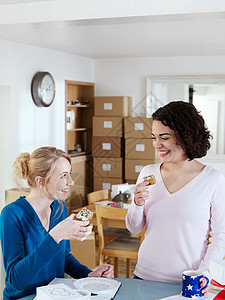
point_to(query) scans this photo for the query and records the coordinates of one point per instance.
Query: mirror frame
(195, 79)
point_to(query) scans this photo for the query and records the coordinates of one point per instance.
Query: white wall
(128, 76)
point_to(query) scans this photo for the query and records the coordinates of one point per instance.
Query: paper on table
(210, 296)
(70, 282)
(99, 285)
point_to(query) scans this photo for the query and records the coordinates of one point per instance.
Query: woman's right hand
(71, 229)
(141, 193)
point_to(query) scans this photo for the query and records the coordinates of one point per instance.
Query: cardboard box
(108, 167)
(108, 126)
(113, 106)
(85, 251)
(137, 127)
(134, 166)
(13, 194)
(131, 181)
(140, 149)
(107, 147)
(217, 270)
(101, 183)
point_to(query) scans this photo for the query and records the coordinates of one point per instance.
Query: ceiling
(144, 35)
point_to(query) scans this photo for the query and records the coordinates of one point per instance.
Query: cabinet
(78, 119)
(82, 177)
(79, 132)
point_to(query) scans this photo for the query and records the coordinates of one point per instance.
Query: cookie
(150, 179)
(84, 214)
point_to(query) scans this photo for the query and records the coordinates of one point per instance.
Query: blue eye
(63, 176)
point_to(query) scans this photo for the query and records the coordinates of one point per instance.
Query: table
(134, 289)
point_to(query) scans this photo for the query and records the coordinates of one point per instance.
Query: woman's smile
(163, 153)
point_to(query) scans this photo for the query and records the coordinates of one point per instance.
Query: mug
(191, 284)
(77, 102)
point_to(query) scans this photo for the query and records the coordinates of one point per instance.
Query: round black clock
(43, 89)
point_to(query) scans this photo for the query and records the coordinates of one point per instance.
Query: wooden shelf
(77, 154)
(79, 117)
(78, 129)
(78, 106)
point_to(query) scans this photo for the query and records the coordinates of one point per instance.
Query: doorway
(5, 158)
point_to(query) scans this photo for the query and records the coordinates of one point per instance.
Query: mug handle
(207, 282)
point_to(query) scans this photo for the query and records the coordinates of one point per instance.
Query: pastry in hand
(84, 214)
(150, 179)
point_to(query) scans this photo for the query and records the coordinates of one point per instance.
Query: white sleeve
(135, 218)
(216, 247)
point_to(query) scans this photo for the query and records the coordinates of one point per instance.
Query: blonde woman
(35, 231)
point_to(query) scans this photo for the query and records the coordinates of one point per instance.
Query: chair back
(111, 213)
(98, 196)
(119, 247)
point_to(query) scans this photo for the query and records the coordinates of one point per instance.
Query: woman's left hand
(104, 270)
(206, 289)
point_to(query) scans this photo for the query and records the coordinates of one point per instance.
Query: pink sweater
(178, 225)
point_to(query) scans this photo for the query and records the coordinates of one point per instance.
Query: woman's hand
(104, 270)
(70, 229)
(141, 193)
(206, 289)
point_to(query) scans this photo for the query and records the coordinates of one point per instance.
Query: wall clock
(43, 89)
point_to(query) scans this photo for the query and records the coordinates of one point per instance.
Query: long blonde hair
(41, 162)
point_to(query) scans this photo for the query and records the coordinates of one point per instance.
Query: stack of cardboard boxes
(108, 140)
(139, 150)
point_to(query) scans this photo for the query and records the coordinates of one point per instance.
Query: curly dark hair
(188, 126)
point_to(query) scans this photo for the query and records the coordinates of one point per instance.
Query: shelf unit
(81, 133)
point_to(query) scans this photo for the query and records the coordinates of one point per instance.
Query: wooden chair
(119, 247)
(109, 233)
(98, 196)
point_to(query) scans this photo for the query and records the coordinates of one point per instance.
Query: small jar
(78, 147)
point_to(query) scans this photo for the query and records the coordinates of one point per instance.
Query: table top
(133, 289)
